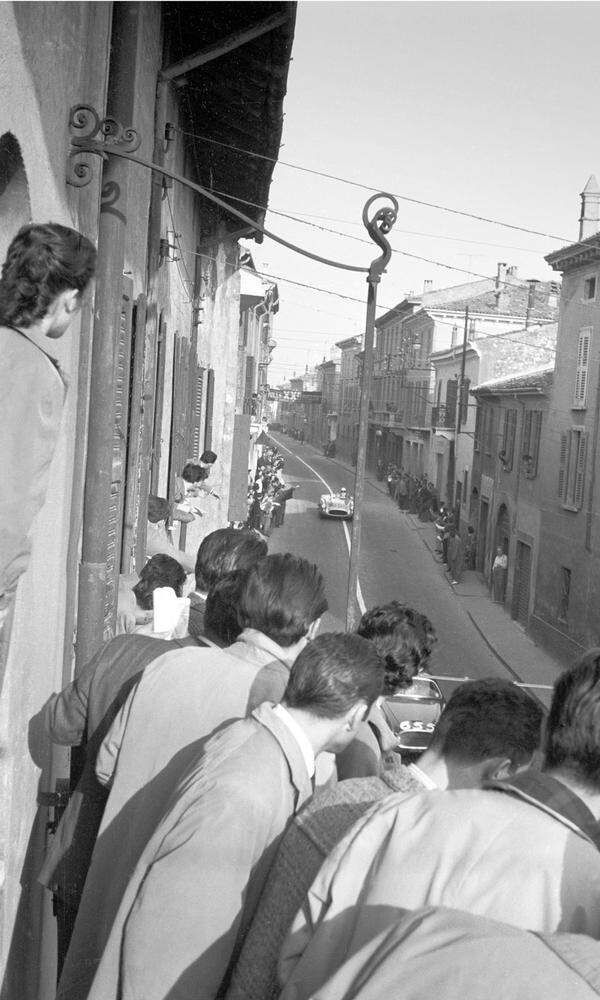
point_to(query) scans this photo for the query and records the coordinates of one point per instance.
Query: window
(478, 428)
(571, 475)
(532, 432)
(490, 430)
(451, 394)
(589, 289)
(564, 593)
(507, 453)
(581, 373)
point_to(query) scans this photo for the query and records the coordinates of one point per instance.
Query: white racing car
(337, 505)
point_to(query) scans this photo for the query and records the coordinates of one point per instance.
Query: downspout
(111, 248)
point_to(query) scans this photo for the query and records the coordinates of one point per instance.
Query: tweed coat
(487, 852)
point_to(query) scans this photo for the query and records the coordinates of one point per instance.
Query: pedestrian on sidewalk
(499, 568)
(456, 556)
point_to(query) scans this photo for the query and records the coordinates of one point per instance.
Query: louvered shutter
(527, 433)
(159, 395)
(580, 469)
(563, 463)
(581, 373)
(119, 453)
(451, 396)
(536, 437)
(210, 395)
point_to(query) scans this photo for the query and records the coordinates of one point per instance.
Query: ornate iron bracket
(86, 127)
(378, 227)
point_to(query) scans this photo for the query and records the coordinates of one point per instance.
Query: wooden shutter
(179, 411)
(508, 443)
(210, 395)
(134, 446)
(451, 396)
(197, 411)
(535, 440)
(581, 373)
(580, 469)
(563, 466)
(478, 428)
(118, 469)
(159, 395)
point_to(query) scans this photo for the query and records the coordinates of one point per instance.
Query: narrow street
(395, 564)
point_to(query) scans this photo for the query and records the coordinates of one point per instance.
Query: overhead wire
(367, 187)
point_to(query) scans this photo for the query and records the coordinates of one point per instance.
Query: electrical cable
(366, 187)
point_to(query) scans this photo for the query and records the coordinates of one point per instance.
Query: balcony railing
(443, 417)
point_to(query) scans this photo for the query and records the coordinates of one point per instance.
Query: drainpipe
(109, 279)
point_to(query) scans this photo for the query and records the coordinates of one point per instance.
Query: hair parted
(572, 735)
(333, 673)
(282, 596)
(227, 550)
(41, 262)
(160, 571)
(403, 638)
(488, 718)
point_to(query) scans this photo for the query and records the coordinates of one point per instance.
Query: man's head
(160, 571)
(158, 509)
(403, 638)
(572, 734)
(333, 683)
(225, 551)
(488, 729)
(192, 473)
(283, 597)
(208, 458)
(46, 270)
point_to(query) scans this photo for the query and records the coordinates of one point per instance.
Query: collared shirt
(422, 778)
(299, 735)
(550, 794)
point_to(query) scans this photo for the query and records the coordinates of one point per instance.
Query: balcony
(443, 418)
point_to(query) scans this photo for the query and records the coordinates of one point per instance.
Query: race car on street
(338, 505)
(412, 715)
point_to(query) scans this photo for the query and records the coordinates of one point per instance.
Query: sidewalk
(508, 641)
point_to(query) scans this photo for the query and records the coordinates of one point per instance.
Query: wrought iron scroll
(92, 134)
(378, 227)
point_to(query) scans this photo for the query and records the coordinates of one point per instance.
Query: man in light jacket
(191, 896)
(523, 850)
(180, 699)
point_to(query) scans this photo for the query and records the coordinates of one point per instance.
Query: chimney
(589, 220)
(427, 286)
(513, 272)
(501, 286)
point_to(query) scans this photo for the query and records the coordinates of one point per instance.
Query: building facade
(153, 359)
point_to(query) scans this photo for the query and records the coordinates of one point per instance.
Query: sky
(486, 108)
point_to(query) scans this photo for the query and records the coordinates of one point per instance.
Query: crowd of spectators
(242, 826)
(268, 492)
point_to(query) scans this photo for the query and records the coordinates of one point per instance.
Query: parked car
(337, 505)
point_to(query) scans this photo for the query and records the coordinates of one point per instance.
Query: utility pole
(457, 416)
(382, 222)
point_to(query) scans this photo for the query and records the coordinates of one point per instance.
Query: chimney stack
(589, 220)
(500, 286)
(427, 286)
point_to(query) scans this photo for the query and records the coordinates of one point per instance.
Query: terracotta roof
(539, 381)
(236, 99)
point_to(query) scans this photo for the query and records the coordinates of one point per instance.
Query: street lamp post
(377, 227)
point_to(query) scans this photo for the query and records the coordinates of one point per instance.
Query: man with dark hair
(161, 512)
(404, 639)
(135, 603)
(180, 699)
(185, 911)
(222, 552)
(523, 850)
(83, 713)
(208, 458)
(46, 271)
(488, 729)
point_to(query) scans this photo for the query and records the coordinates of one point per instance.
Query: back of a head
(225, 551)
(158, 509)
(192, 473)
(403, 638)
(572, 734)
(221, 619)
(160, 571)
(333, 673)
(208, 457)
(41, 262)
(282, 596)
(486, 719)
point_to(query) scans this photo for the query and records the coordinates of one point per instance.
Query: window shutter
(451, 394)
(562, 472)
(536, 437)
(134, 449)
(581, 373)
(580, 470)
(210, 394)
(527, 433)
(159, 395)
